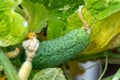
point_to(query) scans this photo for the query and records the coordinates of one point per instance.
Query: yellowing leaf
(103, 32)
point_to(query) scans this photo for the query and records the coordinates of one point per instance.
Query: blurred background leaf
(49, 74)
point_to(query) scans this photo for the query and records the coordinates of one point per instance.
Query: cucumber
(54, 52)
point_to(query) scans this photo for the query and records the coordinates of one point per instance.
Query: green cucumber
(54, 52)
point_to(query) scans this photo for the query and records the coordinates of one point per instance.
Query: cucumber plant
(65, 37)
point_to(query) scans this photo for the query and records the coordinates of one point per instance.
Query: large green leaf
(102, 8)
(49, 74)
(7, 5)
(37, 15)
(104, 33)
(13, 29)
(58, 11)
(56, 4)
(63, 9)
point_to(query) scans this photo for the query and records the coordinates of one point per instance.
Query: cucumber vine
(73, 30)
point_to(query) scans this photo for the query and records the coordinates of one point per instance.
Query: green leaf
(63, 9)
(63, 26)
(58, 11)
(56, 25)
(13, 29)
(37, 15)
(6, 5)
(56, 4)
(102, 8)
(73, 22)
(50, 74)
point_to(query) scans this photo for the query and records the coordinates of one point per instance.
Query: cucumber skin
(54, 52)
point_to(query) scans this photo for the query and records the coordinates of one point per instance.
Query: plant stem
(8, 67)
(106, 64)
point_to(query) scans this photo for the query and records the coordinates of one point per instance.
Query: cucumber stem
(84, 23)
(8, 67)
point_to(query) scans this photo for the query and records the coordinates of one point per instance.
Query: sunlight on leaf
(49, 74)
(13, 27)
